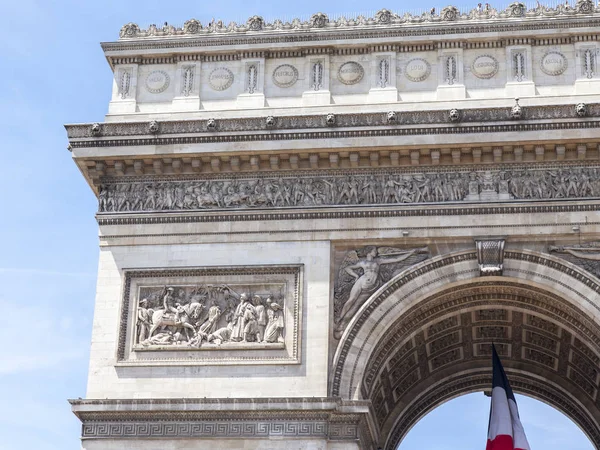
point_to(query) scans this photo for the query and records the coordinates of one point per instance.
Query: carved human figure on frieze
(584, 255)
(362, 272)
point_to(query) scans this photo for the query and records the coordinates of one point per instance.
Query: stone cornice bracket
(490, 256)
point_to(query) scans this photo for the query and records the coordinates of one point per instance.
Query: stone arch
(425, 337)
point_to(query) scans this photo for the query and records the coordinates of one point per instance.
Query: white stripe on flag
(519, 439)
(500, 420)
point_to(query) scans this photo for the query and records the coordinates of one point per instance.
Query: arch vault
(425, 337)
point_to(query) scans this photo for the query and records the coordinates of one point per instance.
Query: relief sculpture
(208, 316)
(355, 189)
(584, 255)
(362, 272)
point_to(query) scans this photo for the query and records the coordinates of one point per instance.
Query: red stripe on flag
(500, 442)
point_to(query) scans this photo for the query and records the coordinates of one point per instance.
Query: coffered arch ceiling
(425, 337)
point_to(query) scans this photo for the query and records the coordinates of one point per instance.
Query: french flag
(505, 431)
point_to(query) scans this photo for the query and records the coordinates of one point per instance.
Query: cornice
(384, 24)
(381, 123)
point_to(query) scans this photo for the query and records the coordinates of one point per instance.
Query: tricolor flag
(505, 431)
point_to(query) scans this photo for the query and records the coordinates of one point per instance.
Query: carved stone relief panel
(157, 81)
(390, 187)
(485, 66)
(362, 272)
(211, 316)
(350, 72)
(220, 79)
(553, 63)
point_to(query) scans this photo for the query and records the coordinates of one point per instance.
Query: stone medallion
(553, 63)
(417, 70)
(485, 66)
(351, 72)
(157, 81)
(220, 79)
(285, 76)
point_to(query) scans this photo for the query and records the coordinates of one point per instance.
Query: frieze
(384, 17)
(211, 316)
(391, 188)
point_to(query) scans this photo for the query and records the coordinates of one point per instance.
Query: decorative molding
(376, 122)
(391, 21)
(146, 294)
(279, 215)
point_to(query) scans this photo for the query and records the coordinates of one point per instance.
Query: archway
(425, 337)
(463, 421)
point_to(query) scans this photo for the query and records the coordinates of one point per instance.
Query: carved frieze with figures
(211, 316)
(381, 188)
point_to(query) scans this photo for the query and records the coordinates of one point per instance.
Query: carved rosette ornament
(255, 23)
(383, 16)
(585, 6)
(129, 30)
(516, 9)
(449, 13)
(319, 20)
(192, 26)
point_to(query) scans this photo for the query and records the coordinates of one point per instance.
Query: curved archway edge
(537, 290)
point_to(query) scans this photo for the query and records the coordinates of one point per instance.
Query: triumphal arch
(312, 231)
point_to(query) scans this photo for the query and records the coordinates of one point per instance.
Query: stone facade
(319, 245)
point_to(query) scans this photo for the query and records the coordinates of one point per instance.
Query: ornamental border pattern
(129, 274)
(319, 122)
(440, 29)
(414, 211)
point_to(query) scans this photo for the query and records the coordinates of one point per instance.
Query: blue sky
(53, 72)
